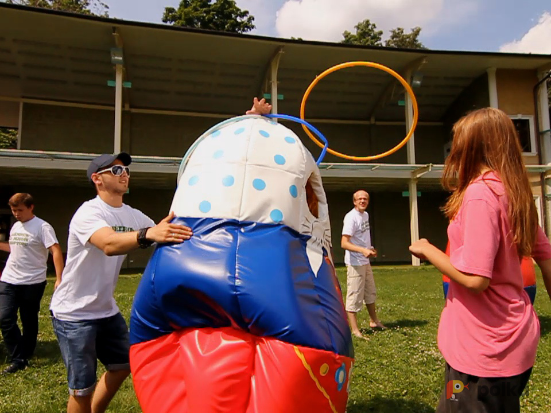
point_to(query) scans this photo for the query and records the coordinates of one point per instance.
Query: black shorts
(471, 394)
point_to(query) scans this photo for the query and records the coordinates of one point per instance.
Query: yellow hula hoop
(376, 66)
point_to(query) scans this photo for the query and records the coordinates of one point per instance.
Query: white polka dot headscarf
(251, 169)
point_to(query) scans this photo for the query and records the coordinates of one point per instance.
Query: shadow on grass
(406, 323)
(396, 325)
(545, 324)
(48, 352)
(380, 404)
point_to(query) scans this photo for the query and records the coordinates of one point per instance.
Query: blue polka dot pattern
(239, 131)
(193, 180)
(279, 159)
(289, 139)
(293, 190)
(228, 180)
(264, 133)
(218, 154)
(216, 133)
(259, 184)
(204, 207)
(276, 215)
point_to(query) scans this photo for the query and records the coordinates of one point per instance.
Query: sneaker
(15, 367)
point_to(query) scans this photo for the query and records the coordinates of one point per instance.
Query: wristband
(143, 242)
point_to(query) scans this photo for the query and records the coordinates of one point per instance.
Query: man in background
(356, 241)
(24, 279)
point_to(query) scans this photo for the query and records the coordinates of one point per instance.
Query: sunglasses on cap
(116, 170)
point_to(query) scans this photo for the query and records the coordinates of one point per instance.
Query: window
(525, 129)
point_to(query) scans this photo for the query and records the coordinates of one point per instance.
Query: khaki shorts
(360, 287)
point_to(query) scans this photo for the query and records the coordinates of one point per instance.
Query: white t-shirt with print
(29, 243)
(90, 277)
(356, 225)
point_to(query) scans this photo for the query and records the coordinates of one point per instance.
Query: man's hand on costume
(260, 107)
(164, 231)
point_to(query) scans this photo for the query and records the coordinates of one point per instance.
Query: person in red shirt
(488, 332)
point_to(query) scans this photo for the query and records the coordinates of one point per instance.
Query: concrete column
(492, 87)
(545, 148)
(20, 125)
(543, 114)
(413, 210)
(118, 109)
(414, 218)
(274, 67)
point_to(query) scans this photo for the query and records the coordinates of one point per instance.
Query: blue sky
(477, 25)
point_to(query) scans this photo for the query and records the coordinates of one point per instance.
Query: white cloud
(327, 19)
(536, 40)
(264, 12)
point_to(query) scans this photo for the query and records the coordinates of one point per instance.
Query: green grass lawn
(397, 370)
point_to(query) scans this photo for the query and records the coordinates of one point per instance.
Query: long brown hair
(486, 139)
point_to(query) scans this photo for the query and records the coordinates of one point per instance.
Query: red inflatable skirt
(225, 370)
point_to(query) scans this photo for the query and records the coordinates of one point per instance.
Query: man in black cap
(86, 319)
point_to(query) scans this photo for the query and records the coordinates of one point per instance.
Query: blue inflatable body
(230, 273)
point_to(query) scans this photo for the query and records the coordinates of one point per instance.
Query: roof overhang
(54, 168)
(52, 55)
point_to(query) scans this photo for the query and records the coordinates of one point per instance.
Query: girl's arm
(426, 251)
(545, 267)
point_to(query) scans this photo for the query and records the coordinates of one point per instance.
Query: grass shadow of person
(545, 325)
(47, 352)
(404, 323)
(396, 325)
(379, 404)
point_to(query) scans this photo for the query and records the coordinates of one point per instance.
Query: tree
(366, 35)
(403, 40)
(8, 138)
(221, 15)
(90, 7)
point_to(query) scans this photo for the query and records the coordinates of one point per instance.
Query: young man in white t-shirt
(356, 241)
(24, 279)
(86, 319)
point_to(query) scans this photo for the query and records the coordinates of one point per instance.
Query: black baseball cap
(105, 160)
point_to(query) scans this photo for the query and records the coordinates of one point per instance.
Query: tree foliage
(8, 138)
(220, 15)
(366, 35)
(90, 7)
(400, 39)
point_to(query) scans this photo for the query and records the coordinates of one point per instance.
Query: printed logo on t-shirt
(364, 226)
(122, 228)
(19, 238)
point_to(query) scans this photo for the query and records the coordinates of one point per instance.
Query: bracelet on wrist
(143, 242)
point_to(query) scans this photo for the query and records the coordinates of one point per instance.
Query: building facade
(76, 86)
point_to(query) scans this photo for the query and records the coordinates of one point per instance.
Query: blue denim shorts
(82, 343)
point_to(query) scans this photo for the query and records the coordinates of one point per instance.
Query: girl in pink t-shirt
(488, 332)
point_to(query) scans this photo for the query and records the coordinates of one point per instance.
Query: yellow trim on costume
(312, 375)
